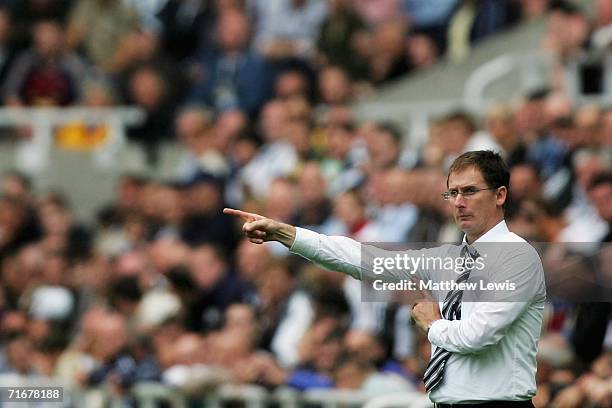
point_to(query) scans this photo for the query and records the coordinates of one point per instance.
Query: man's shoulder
(509, 248)
(517, 245)
(512, 237)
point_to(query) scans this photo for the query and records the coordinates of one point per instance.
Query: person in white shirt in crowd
(276, 157)
(194, 128)
(288, 28)
(483, 352)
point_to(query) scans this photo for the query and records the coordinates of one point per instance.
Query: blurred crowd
(160, 286)
(235, 55)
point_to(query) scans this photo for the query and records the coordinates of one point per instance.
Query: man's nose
(459, 201)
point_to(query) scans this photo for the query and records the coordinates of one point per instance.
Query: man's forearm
(340, 254)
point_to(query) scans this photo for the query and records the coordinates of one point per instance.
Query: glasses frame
(447, 196)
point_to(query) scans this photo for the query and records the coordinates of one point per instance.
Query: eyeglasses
(466, 192)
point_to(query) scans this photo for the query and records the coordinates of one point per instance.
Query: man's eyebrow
(461, 187)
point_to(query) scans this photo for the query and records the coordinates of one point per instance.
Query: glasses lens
(450, 194)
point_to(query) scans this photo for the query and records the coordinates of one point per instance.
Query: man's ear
(502, 196)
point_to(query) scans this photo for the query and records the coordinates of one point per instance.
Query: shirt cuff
(435, 331)
(306, 243)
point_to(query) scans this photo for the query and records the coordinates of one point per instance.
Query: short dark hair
(464, 117)
(530, 165)
(490, 164)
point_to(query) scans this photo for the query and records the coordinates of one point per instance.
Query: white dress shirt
(281, 20)
(295, 322)
(494, 345)
(273, 160)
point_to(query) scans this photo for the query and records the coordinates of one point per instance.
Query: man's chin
(464, 224)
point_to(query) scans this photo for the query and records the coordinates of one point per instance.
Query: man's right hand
(260, 229)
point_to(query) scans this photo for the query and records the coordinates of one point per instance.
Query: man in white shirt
(483, 352)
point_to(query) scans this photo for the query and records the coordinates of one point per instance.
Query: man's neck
(471, 238)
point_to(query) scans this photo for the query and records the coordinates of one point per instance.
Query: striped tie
(451, 310)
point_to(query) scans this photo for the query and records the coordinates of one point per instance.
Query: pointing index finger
(247, 216)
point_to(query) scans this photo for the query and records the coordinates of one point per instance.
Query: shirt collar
(493, 235)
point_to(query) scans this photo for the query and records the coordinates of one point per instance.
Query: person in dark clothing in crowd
(592, 318)
(19, 226)
(186, 27)
(214, 287)
(124, 294)
(46, 74)
(203, 221)
(135, 364)
(232, 76)
(148, 88)
(26, 13)
(339, 32)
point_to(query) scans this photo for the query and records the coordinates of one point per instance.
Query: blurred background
(127, 125)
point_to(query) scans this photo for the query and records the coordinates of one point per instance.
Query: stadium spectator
(342, 33)
(19, 225)
(433, 218)
(148, 88)
(232, 76)
(46, 74)
(185, 27)
(277, 157)
(18, 351)
(334, 86)
(384, 147)
(376, 12)
(568, 31)
(194, 129)
(25, 14)
(229, 127)
(292, 83)
(319, 353)
(430, 18)
(315, 206)
(352, 374)
(377, 356)
(459, 128)
(215, 288)
(422, 51)
(341, 165)
(394, 213)
(104, 29)
(201, 221)
(390, 60)
(592, 318)
(251, 261)
(500, 126)
(288, 29)
(286, 313)
(526, 184)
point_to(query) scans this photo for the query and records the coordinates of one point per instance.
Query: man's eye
(453, 193)
(469, 191)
